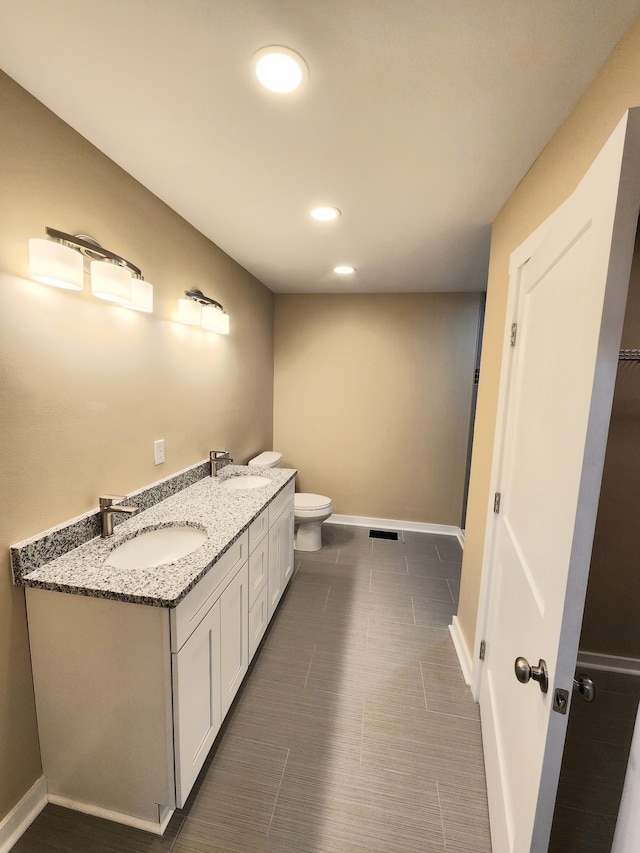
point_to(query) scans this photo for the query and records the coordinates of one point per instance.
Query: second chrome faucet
(107, 510)
(217, 460)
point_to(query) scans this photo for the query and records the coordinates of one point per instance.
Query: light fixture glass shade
(141, 296)
(55, 264)
(344, 269)
(189, 312)
(110, 281)
(214, 319)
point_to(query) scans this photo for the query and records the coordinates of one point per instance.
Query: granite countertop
(224, 514)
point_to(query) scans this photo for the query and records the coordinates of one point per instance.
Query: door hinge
(496, 502)
(483, 649)
(514, 333)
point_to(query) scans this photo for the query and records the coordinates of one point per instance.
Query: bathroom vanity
(135, 672)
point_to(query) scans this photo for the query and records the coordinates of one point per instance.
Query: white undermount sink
(245, 481)
(152, 548)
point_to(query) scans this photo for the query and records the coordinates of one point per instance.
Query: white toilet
(309, 510)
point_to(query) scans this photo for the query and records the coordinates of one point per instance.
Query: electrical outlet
(158, 451)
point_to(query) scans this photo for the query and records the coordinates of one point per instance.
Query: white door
(570, 298)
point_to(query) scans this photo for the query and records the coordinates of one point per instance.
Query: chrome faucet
(107, 510)
(217, 460)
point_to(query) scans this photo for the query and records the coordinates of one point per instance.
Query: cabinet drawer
(258, 529)
(280, 501)
(192, 609)
(258, 570)
(258, 620)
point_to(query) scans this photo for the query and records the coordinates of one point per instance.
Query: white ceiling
(419, 119)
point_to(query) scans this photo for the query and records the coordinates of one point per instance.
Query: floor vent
(383, 534)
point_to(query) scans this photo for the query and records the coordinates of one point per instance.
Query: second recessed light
(280, 69)
(344, 269)
(325, 214)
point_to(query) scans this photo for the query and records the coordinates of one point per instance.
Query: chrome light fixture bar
(59, 261)
(201, 310)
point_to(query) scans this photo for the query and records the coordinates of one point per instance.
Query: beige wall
(611, 625)
(86, 387)
(371, 399)
(552, 178)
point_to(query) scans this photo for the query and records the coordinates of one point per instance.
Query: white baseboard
(394, 524)
(23, 814)
(608, 663)
(461, 650)
(117, 817)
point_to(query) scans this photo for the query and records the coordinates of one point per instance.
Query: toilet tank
(268, 459)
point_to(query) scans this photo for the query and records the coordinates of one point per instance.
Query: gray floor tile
(446, 692)
(434, 589)
(433, 614)
(411, 642)
(465, 819)
(326, 808)
(434, 568)
(223, 795)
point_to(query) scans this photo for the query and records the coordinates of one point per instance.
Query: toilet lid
(305, 500)
(267, 459)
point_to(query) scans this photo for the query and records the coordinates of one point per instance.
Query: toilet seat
(308, 502)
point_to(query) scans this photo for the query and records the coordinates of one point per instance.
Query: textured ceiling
(418, 120)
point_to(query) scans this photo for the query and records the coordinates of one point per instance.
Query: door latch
(560, 700)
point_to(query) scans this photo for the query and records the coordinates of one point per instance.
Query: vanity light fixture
(344, 269)
(60, 261)
(325, 214)
(201, 310)
(280, 69)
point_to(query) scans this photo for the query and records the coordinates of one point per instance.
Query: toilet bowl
(309, 510)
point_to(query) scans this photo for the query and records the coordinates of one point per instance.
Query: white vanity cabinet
(130, 697)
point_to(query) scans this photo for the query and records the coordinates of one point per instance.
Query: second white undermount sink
(151, 548)
(245, 481)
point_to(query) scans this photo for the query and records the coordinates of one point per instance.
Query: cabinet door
(234, 636)
(258, 570)
(280, 556)
(196, 700)
(287, 555)
(258, 620)
(274, 581)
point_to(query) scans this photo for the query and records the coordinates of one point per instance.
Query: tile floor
(354, 731)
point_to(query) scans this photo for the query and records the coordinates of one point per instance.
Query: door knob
(539, 673)
(585, 687)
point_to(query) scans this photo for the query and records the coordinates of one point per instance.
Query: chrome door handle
(539, 673)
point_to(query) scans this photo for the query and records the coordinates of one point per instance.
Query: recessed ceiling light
(325, 214)
(280, 69)
(344, 269)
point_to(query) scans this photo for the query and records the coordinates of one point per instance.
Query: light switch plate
(158, 451)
